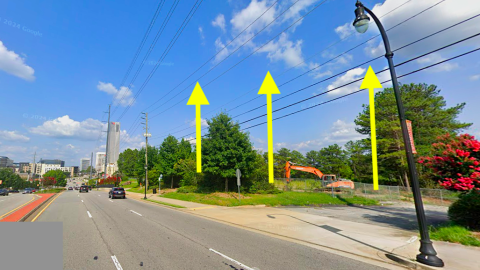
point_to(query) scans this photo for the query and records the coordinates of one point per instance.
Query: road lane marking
(8, 213)
(116, 262)
(136, 213)
(111, 200)
(230, 259)
(35, 218)
(89, 215)
(98, 195)
(82, 200)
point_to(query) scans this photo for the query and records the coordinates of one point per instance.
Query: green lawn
(285, 198)
(164, 203)
(455, 234)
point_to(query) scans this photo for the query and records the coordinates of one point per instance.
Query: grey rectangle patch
(31, 245)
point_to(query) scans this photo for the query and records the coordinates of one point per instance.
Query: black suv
(83, 188)
(3, 192)
(117, 192)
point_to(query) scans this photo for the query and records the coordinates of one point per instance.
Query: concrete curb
(409, 263)
(38, 207)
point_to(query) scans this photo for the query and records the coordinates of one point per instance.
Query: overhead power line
(364, 63)
(357, 80)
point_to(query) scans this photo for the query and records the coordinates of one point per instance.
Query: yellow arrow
(371, 82)
(198, 98)
(268, 88)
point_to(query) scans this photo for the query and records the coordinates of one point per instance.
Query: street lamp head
(361, 19)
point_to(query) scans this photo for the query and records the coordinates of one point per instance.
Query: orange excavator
(329, 178)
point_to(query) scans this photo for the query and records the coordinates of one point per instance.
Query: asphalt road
(12, 201)
(160, 238)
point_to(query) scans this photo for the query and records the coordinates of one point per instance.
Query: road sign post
(239, 174)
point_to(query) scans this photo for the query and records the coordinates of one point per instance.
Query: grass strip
(168, 204)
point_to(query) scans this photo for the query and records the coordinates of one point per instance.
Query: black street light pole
(427, 255)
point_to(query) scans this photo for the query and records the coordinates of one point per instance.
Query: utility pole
(146, 134)
(106, 149)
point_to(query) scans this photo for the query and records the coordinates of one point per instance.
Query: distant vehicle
(70, 188)
(83, 189)
(3, 192)
(14, 191)
(27, 191)
(117, 192)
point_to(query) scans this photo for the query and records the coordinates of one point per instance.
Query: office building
(84, 164)
(100, 161)
(5, 162)
(52, 162)
(24, 167)
(113, 143)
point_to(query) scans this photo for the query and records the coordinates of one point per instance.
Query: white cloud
(202, 36)
(192, 140)
(219, 46)
(240, 20)
(13, 136)
(475, 77)
(194, 122)
(351, 75)
(219, 22)
(12, 63)
(284, 50)
(342, 132)
(65, 127)
(434, 58)
(345, 30)
(441, 16)
(121, 97)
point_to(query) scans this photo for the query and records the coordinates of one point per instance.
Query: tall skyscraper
(113, 143)
(100, 161)
(84, 164)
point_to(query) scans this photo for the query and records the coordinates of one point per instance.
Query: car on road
(70, 188)
(3, 192)
(83, 189)
(27, 191)
(117, 192)
(14, 191)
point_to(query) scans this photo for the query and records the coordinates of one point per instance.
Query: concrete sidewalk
(367, 240)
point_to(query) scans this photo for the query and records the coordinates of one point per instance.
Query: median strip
(6, 214)
(35, 218)
(22, 213)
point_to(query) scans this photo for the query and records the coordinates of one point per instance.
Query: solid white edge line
(228, 258)
(89, 215)
(413, 239)
(82, 200)
(136, 213)
(116, 262)
(111, 200)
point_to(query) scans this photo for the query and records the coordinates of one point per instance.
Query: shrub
(466, 210)
(187, 189)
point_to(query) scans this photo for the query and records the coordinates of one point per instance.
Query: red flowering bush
(49, 181)
(110, 180)
(456, 162)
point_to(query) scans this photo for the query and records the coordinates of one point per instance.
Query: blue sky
(62, 63)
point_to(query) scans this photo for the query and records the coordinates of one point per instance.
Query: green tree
(187, 169)
(58, 175)
(333, 160)
(360, 159)
(127, 161)
(430, 117)
(225, 149)
(168, 154)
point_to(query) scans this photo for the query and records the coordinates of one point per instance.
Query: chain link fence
(384, 193)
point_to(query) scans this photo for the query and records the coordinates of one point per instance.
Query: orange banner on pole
(410, 134)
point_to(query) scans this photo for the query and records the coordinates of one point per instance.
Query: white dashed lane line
(89, 215)
(82, 200)
(111, 200)
(232, 260)
(135, 212)
(116, 262)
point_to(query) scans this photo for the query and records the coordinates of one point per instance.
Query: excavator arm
(290, 166)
